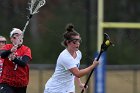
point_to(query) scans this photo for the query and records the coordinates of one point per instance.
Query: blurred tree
(44, 34)
(126, 39)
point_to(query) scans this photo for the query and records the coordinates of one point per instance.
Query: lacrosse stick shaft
(104, 47)
(15, 67)
(91, 72)
(27, 23)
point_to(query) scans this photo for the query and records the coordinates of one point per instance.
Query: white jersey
(62, 81)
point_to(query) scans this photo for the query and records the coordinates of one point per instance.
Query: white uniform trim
(62, 81)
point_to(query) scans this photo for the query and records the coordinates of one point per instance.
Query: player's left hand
(82, 86)
(12, 56)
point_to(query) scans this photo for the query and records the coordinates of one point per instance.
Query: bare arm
(80, 84)
(78, 81)
(79, 73)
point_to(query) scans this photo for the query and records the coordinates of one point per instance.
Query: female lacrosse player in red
(66, 71)
(2, 43)
(15, 74)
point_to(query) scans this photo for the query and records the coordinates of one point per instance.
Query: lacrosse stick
(106, 43)
(15, 44)
(34, 6)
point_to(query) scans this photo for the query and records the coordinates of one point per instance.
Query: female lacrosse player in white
(66, 71)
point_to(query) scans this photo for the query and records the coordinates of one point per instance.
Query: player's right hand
(14, 48)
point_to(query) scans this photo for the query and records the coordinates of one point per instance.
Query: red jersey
(20, 76)
(1, 64)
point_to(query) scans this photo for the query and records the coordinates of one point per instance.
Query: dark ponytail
(70, 31)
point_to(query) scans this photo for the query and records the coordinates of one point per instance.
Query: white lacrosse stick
(16, 45)
(13, 54)
(33, 8)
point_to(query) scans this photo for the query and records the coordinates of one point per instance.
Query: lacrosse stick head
(106, 42)
(17, 36)
(35, 5)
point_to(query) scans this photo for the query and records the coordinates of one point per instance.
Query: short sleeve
(68, 63)
(28, 52)
(6, 47)
(79, 55)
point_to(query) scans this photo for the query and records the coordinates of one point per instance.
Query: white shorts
(49, 91)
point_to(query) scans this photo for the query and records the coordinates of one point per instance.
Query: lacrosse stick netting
(34, 6)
